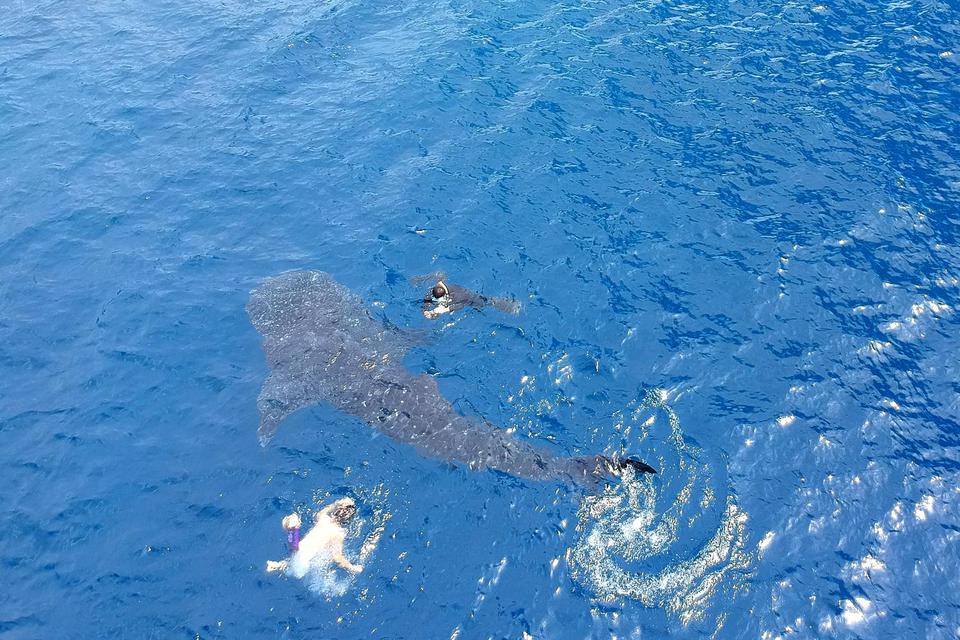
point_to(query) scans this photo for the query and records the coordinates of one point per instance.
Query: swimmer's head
(439, 290)
(344, 511)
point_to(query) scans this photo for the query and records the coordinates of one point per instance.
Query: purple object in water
(293, 539)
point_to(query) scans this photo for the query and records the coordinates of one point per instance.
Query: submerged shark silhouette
(322, 345)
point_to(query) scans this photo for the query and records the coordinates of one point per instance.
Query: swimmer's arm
(342, 561)
(436, 312)
(427, 305)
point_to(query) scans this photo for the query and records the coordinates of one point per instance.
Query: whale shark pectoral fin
(279, 397)
(265, 431)
(272, 414)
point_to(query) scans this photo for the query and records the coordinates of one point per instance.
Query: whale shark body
(323, 346)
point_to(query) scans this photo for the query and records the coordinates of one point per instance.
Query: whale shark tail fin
(637, 465)
(592, 470)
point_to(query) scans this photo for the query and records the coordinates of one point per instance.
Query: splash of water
(626, 548)
(320, 575)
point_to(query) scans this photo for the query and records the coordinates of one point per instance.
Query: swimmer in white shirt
(324, 541)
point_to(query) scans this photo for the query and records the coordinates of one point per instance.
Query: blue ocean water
(734, 229)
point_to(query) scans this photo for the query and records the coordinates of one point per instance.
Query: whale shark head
(320, 342)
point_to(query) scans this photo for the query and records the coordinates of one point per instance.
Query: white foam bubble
(870, 564)
(319, 574)
(923, 508)
(895, 516)
(766, 542)
(912, 326)
(855, 611)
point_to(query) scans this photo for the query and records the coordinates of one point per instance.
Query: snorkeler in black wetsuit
(444, 298)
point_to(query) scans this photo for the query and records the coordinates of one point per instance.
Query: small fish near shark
(323, 346)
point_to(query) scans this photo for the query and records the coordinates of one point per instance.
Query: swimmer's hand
(291, 521)
(273, 566)
(436, 312)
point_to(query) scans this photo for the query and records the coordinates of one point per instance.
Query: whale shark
(323, 346)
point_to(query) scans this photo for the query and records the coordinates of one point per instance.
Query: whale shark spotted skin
(323, 346)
